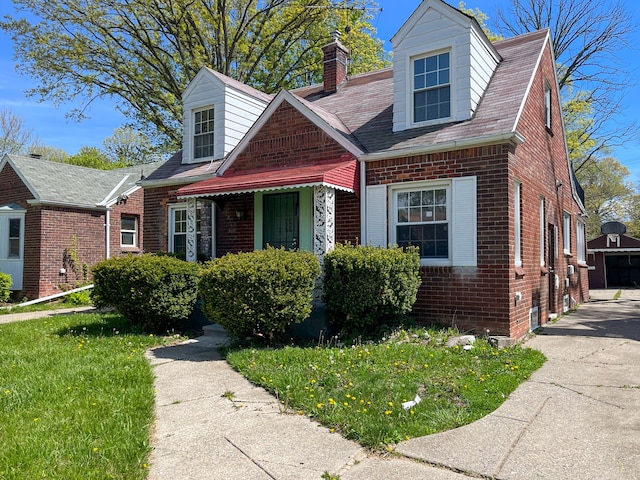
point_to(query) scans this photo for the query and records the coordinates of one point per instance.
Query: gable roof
(70, 185)
(327, 121)
(174, 172)
(365, 105)
(221, 79)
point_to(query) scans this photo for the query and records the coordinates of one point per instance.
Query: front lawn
(359, 390)
(76, 398)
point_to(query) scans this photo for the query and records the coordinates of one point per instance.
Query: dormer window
(203, 133)
(431, 87)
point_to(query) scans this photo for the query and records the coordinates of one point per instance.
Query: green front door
(281, 220)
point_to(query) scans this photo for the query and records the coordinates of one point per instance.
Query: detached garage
(614, 258)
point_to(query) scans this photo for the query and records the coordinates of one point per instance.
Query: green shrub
(157, 293)
(5, 284)
(259, 293)
(83, 297)
(368, 287)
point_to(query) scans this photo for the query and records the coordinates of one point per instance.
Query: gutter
(514, 137)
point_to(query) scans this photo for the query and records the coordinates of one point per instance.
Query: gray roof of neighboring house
(174, 172)
(62, 183)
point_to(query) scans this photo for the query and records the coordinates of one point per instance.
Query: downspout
(107, 228)
(363, 201)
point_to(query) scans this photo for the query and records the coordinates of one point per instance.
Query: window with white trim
(547, 105)
(432, 87)
(203, 133)
(566, 233)
(421, 219)
(129, 231)
(517, 225)
(15, 228)
(580, 239)
(178, 227)
(543, 232)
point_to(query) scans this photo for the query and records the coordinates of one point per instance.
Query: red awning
(341, 175)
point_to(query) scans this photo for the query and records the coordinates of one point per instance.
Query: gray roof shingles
(73, 185)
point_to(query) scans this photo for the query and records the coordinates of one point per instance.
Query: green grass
(39, 307)
(359, 390)
(76, 398)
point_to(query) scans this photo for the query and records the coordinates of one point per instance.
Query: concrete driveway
(577, 417)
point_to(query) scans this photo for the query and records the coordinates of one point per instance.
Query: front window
(129, 231)
(422, 220)
(14, 237)
(203, 133)
(178, 228)
(431, 88)
(281, 222)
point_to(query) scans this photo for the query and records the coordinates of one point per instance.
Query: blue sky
(51, 126)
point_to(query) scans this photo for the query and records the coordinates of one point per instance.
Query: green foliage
(481, 18)
(367, 287)
(129, 147)
(76, 398)
(158, 293)
(259, 293)
(5, 284)
(359, 391)
(93, 157)
(608, 194)
(78, 299)
(144, 52)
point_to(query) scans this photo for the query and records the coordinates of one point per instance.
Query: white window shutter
(464, 222)
(376, 215)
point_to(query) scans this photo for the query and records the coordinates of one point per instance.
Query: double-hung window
(422, 220)
(15, 228)
(178, 227)
(128, 231)
(432, 87)
(203, 133)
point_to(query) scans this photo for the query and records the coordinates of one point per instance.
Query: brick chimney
(335, 63)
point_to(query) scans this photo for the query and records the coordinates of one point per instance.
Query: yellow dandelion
(387, 412)
(332, 401)
(391, 404)
(95, 449)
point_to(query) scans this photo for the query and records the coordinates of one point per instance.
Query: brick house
(459, 149)
(57, 220)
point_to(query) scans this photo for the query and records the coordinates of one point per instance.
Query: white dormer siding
(436, 28)
(234, 112)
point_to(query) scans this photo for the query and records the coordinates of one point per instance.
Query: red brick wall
(133, 206)
(467, 297)
(288, 139)
(347, 217)
(484, 297)
(233, 234)
(156, 229)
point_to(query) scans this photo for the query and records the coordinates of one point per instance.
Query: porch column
(324, 228)
(191, 253)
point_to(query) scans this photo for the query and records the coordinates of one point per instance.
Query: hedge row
(262, 293)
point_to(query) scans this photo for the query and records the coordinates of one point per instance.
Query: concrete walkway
(577, 417)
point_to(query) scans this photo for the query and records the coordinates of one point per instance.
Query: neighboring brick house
(57, 220)
(614, 258)
(458, 149)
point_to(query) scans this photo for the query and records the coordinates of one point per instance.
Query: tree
(608, 194)
(130, 147)
(587, 36)
(144, 52)
(52, 154)
(15, 137)
(93, 157)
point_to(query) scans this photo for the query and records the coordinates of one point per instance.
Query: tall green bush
(158, 293)
(259, 293)
(5, 285)
(367, 287)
